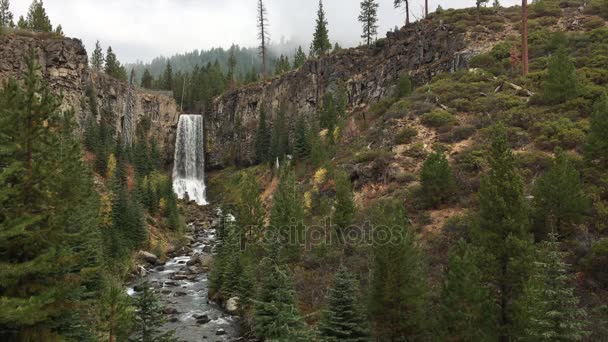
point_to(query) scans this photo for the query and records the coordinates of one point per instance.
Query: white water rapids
(189, 164)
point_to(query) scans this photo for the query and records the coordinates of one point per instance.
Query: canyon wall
(64, 65)
(420, 50)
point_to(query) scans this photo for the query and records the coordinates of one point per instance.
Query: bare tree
(263, 33)
(426, 8)
(524, 38)
(479, 3)
(406, 3)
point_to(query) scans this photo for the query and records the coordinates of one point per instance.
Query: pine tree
(343, 321)
(301, 144)
(406, 3)
(276, 315)
(299, 58)
(559, 198)
(549, 309)
(59, 31)
(22, 23)
(262, 140)
(232, 62)
(561, 83)
(369, 19)
(112, 65)
(37, 19)
(149, 317)
(328, 117)
(168, 77)
(478, 4)
(398, 290)
(227, 249)
(6, 17)
(115, 312)
(279, 141)
(596, 147)
(503, 229)
(437, 180)
(97, 59)
(250, 208)
(320, 41)
(287, 215)
(467, 309)
(263, 35)
(345, 208)
(48, 217)
(147, 80)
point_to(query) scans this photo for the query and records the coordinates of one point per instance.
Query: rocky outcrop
(64, 65)
(420, 50)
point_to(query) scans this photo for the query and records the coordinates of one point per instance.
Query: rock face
(420, 50)
(64, 65)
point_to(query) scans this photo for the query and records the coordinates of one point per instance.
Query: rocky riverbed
(182, 284)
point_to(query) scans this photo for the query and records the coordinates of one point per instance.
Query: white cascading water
(189, 164)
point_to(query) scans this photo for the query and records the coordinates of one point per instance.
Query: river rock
(171, 283)
(179, 294)
(170, 311)
(193, 260)
(202, 319)
(220, 332)
(232, 305)
(206, 260)
(148, 257)
(207, 249)
(193, 270)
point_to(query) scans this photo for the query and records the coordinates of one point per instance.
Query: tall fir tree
(97, 59)
(320, 41)
(48, 218)
(287, 216)
(263, 36)
(559, 198)
(301, 144)
(369, 20)
(37, 19)
(6, 17)
(250, 209)
(596, 147)
(299, 58)
(167, 79)
(549, 309)
(149, 317)
(503, 228)
(437, 180)
(398, 289)
(115, 312)
(279, 141)
(406, 4)
(345, 208)
(343, 319)
(262, 139)
(147, 80)
(561, 82)
(467, 309)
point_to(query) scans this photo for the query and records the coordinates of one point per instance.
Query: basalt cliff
(64, 65)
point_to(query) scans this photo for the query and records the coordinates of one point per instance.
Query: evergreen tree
(223, 279)
(301, 144)
(149, 317)
(22, 23)
(559, 198)
(167, 83)
(343, 321)
(6, 17)
(320, 41)
(398, 290)
(596, 148)
(59, 31)
(97, 59)
(287, 215)
(282, 65)
(560, 84)
(467, 309)
(147, 81)
(115, 312)
(345, 208)
(250, 208)
(369, 19)
(279, 141)
(437, 180)
(406, 3)
(232, 62)
(503, 226)
(262, 140)
(276, 316)
(549, 309)
(112, 65)
(263, 35)
(37, 19)
(329, 113)
(48, 217)
(299, 58)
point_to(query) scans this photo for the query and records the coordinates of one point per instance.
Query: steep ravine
(182, 284)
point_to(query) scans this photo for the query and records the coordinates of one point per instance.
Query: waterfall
(189, 164)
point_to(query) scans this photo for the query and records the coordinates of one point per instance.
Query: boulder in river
(170, 311)
(220, 332)
(205, 260)
(207, 249)
(202, 319)
(148, 257)
(194, 259)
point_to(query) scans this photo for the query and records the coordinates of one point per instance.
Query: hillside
(468, 82)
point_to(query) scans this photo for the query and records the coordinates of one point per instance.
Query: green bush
(595, 262)
(406, 135)
(593, 23)
(438, 118)
(437, 180)
(398, 110)
(561, 132)
(404, 86)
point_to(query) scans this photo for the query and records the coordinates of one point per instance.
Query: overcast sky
(144, 29)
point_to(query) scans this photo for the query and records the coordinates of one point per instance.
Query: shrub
(438, 118)
(561, 132)
(399, 109)
(406, 135)
(595, 262)
(404, 86)
(593, 23)
(471, 160)
(417, 151)
(437, 180)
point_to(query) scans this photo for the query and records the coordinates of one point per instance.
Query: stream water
(184, 289)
